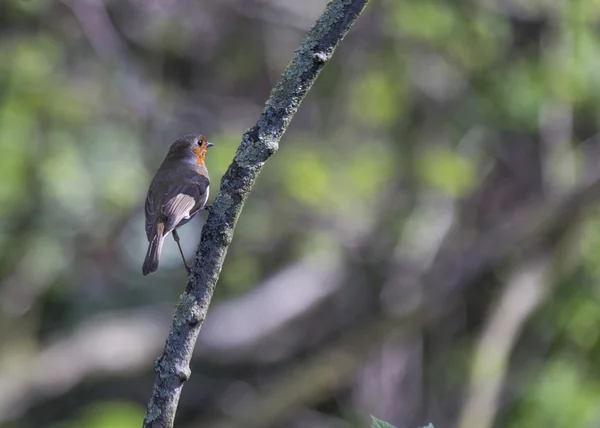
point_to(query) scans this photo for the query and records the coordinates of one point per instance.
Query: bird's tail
(154, 249)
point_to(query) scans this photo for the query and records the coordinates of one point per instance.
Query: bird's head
(191, 148)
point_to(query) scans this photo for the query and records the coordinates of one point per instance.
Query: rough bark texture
(258, 144)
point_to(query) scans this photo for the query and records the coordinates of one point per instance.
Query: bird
(178, 191)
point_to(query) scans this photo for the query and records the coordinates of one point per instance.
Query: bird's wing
(150, 210)
(184, 200)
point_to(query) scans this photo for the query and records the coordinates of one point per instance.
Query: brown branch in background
(309, 382)
(525, 291)
(258, 144)
(27, 383)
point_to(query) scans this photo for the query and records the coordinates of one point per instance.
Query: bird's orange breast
(200, 153)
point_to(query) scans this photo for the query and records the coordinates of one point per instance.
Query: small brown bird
(178, 191)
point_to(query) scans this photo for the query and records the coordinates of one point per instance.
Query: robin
(178, 191)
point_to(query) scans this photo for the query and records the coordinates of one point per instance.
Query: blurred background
(424, 247)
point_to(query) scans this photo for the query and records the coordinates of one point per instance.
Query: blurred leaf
(447, 171)
(16, 125)
(242, 273)
(583, 327)
(589, 243)
(44, 259)
(33, 62)
(29, 6)
(479, 41)
(380, 424)
(377, 98)
(572, 63)
(523, 101)
(429, 20)
(562, 397)
(222, 153)
(113, 148)
(308, 178)
(66, 177)
(107, 415)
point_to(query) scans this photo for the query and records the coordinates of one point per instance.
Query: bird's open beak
(209, 144)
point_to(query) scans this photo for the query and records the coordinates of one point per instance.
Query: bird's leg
(176, 238)
(205, 207)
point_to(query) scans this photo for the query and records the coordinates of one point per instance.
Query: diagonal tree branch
(258, 144)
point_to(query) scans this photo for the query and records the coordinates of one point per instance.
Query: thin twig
(258, 144)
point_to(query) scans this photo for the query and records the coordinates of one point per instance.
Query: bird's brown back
(173, 178)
